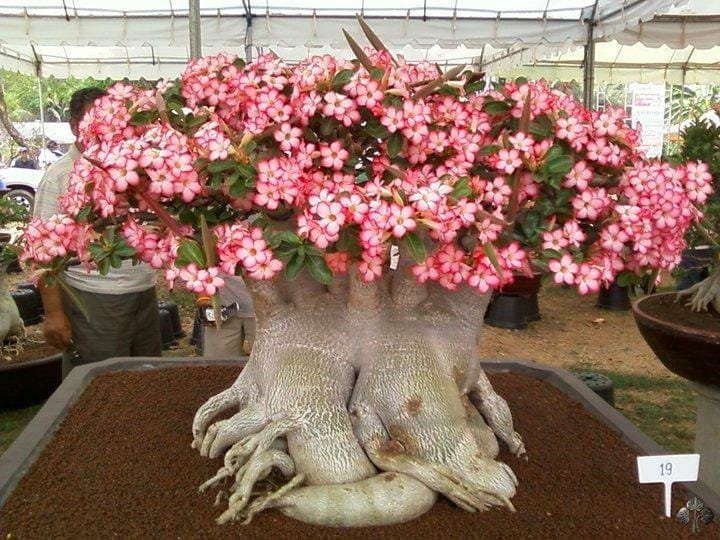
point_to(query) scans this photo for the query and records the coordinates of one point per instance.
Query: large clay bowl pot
(688, 351)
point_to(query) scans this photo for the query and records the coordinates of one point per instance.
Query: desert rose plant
(372, 206)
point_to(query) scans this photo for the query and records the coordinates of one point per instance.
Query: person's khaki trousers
(234, 338)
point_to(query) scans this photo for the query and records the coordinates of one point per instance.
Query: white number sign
(666, 470)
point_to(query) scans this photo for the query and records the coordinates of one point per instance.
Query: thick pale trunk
(382, 376)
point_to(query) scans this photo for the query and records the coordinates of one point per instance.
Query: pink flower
(400, 220)
(333, 156)
(508, 160)
(564, 269)
(201, 281)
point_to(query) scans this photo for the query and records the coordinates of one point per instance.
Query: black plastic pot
(26, 383)
(615, 298)
(172, 308)
(26, 285)
(600, 384)
(515, 305)
(27, 304)
(197, 336)
(167, 334)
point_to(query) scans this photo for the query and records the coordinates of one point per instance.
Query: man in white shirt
(122, 306)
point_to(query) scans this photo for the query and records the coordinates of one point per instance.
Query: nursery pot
(167, 334)
(516, 304)
(25, 383)
(614, 298)
(688, 344)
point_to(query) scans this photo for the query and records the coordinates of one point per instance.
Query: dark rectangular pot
(16, 461)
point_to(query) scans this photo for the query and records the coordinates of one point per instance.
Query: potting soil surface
(666, 308)
(121, 466)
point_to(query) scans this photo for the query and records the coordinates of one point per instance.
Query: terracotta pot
(687, 351)
(25, 383)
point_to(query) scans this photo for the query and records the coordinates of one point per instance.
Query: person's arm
(56, 327)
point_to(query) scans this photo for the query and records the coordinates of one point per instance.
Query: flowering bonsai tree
(372, 206)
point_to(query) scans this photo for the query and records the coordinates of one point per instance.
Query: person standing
(236, 335)
(123, 317)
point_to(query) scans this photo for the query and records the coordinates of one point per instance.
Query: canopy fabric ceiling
(148, 38)
(680, 47)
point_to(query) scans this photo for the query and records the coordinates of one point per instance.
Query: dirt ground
(573, 333)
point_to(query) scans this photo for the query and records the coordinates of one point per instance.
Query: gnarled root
(704, 293)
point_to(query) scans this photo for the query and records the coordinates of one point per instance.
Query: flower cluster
(476, 186)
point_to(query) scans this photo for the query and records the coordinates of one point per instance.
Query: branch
(7, 123)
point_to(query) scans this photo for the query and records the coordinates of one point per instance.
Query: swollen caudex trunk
(361, 378)
(10, 322)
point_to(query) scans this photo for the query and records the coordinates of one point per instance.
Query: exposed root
(242, 391)
(704, 293)
(496, 412)
(389, 455)
(267, 501)
(225, 433)
(257, 468)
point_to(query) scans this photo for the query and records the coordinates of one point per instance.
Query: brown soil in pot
(665, 308)
(121, 466)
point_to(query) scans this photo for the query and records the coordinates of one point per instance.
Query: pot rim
(670, 327)
(31, 363)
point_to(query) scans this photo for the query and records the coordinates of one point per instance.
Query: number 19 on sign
(667, 470)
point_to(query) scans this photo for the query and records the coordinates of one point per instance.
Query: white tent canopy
(680, 47)
(149, 38)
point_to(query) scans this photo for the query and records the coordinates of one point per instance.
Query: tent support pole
(248, 31)
(589, 66)
(194, 28)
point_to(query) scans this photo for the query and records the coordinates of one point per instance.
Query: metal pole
(194, 29)
(42, 110)
(589, 66)
(248, 31)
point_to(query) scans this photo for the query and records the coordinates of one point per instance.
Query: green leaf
(115, 260)
(625, 279)
(84, 214)
(497, 107)
(190, 251)
(327, 126)
(293, 266)
(542, 126)
(376, 130)
(489, 149)
(349, 241)
(559, 165)
(247, 171)
(125, 251)
(475, 86)
(289, 237)
(142, 118)
(239, 63)
(521, 80)
(461, 188)
(395, 144)
(104, 266)
(221, 165)
(361, 178)
(377, 73)
(341, 78)
(319, 269)
(415, 246)
(552, 254)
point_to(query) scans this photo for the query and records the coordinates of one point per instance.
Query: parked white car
(22, 184)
